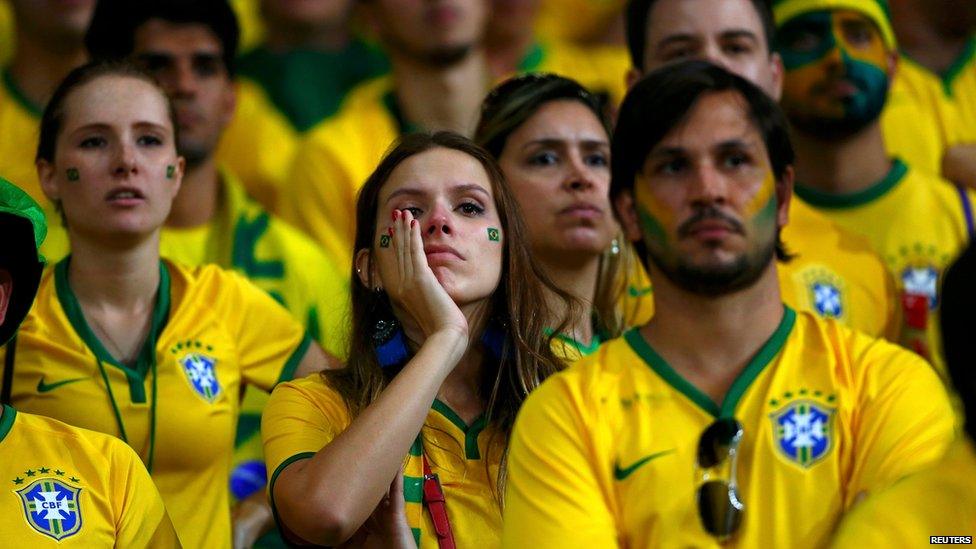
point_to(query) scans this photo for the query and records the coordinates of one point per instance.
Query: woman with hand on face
(447, 340)
(122, 342)
(552, 141)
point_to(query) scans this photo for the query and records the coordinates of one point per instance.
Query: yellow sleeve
(270, 342)
(301, 417)
(553, 496)
(320, 200)
(330, 309)
(142, 518)
(904, 420)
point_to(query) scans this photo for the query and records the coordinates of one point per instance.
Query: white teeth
(124, 194)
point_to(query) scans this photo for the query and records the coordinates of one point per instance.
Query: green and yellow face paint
(72, 174)
(836, 71)
(761, 208)
(653, 215)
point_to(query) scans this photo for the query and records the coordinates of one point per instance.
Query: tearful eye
(470, 208)
(414, 211)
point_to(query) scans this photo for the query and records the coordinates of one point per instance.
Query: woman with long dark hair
(449, 315)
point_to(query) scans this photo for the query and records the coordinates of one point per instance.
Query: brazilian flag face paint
(836, 72)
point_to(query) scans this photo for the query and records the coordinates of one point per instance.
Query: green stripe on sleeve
(413, 489)
(274, 477)
(288, 372)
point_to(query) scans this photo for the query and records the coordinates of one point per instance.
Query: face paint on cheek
(73, 174)
(761, 208)
(653, 216)
(170, 171)
(493, 234)
(384, 241)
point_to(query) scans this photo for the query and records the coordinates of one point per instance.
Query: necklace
(117, 350)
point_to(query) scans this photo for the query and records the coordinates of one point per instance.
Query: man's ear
(776, 71)
(627, 215)
(6, 290)
(364, 269)
(784, 193)
(892, 65)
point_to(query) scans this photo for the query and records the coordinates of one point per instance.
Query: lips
(582, 210)
(125, 196)
(441, 252)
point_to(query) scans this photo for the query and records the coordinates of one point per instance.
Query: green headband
(875, 10)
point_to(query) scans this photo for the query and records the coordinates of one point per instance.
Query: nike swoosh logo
(45, 387)
(621, 474)
(638, 292)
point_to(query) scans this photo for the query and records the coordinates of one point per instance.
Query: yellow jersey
(19, 125)
(918, 224)
(305, 415)
(70, 487)
(8, 33)
(939, 501)
(917, 122)
(959, 84)
(836, 274)
(212, 332)
(603, 454)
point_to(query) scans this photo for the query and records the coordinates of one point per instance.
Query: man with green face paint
(840, 56)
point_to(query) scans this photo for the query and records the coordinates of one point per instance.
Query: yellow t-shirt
(212, 332)
(19, 124)
(282, 261)
(939, 501)
(959, 84)
(603, 453)
(917, 121)
(305, 415)
(918, 224)
(70, 487)
(258, 145)
(8, 34)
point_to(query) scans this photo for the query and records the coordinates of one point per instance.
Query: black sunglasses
(719, 506)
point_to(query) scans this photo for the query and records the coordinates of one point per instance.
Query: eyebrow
(553, 142)
(728, 144)
(690, 37)
(108, 127)
(460, 188)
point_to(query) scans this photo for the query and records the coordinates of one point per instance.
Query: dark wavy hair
(958, 301)
(518, 304)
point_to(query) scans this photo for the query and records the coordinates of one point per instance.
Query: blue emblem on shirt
(802, 430)
(200, 371)
(923, 281)
(827, 301)
(52, 507)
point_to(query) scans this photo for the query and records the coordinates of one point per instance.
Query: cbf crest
(52, 507)
(201, 372)
(803, 431)
(826, 291)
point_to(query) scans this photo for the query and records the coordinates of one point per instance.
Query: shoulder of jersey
(355, 114)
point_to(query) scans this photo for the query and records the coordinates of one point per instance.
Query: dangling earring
(389, 343)
(614, 247)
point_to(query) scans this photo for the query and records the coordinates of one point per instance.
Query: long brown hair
(518, 305)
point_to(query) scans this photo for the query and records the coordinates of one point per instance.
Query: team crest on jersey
(922, 281)
(802, 431)
(826, 291)
(201, 372)
(52, 507)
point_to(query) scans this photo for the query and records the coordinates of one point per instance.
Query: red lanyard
(434, 500)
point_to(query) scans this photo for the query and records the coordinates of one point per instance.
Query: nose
(579, 177)
(182, 80)
(439, 222)
(709, 187)
(125, 161)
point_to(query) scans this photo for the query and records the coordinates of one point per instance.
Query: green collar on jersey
(954, 70)
(136, 374)
(18, 95)
(763, 357)
(833, 201)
